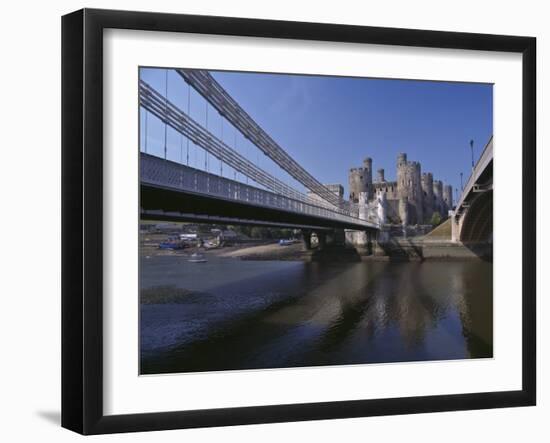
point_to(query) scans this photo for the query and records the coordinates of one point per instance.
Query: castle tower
(448, 198)
(401, 163)
(357, 183)
(367, 165)
(401, 166)
(428, 195)
(360, 180)
(409, 190)
(438, 197)
(380, 176)
(401, 159)
(416, 192)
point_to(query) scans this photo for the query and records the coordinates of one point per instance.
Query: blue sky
(330, 124)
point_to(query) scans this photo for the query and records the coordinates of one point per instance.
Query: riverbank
(422, 248)
(272, 251)
(397, 249)
(256, 250)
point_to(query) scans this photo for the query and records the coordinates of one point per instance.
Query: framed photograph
(269, 221)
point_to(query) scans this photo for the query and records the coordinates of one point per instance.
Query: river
(241, 314)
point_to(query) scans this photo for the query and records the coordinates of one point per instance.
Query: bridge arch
(477, 222)
(472, 217)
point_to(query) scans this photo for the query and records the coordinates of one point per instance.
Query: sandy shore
(272, 251)
(400, 250)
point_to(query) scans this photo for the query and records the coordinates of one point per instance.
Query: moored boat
(286, 242)
(197, 258)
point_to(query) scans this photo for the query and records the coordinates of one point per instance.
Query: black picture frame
(82, 215)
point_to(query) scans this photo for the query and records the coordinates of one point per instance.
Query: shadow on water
(351, 313)
(476, 314)
(335, 254)
(400, 250)
(483, 250)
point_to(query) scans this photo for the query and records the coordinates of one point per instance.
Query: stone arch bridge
(472, 218)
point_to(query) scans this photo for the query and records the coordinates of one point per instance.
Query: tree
(203, 228)
(436, 219)
(260, 232)
(241, 229)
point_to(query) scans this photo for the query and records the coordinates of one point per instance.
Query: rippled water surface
(269, 314)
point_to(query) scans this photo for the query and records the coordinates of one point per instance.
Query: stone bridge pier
(370, 241)
(306, 238)
(363, 240)
(321, 239)
(307, 235)
(324, 237)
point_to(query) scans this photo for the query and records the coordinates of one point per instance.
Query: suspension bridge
(173, 189)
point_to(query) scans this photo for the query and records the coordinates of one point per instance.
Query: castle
(412, 199)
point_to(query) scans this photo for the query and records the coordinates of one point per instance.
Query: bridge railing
(159, 172)
(484, 159)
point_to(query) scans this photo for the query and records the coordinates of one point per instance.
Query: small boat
(172, 243)
(197, 258)
(285, 242)
(166, 245)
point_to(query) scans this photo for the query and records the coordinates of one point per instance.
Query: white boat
(197, 258)
(285, 242)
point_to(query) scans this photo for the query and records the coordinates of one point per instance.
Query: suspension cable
(213, 92)
(188, 113)
(166, 109)
(205, 151)
(221, 163)
(235, 147)
(146, 124)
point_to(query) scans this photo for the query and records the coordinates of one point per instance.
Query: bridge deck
(174, 178)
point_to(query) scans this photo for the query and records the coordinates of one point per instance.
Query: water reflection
(303, 314)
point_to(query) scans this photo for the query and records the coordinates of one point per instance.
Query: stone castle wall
(390, 188)
(448, 197)
(439, 204)
(335, 188)
(428, 195)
